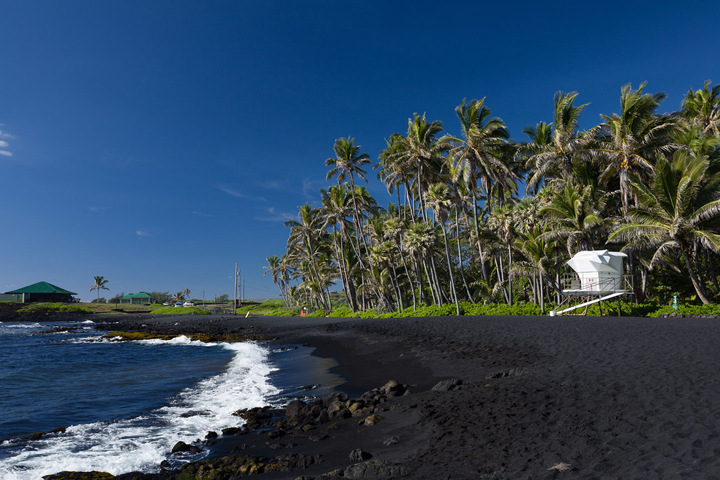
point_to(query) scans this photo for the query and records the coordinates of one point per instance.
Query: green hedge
(180, 311)
(54, 307)
(530, 309)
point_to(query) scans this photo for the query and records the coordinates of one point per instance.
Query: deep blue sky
(157, 143)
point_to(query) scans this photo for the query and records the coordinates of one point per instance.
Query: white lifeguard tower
(598, 273)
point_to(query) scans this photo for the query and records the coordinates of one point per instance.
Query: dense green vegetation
(481, 218)
(180, 311)
(54, 307)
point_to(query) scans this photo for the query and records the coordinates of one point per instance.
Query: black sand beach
(541, 397)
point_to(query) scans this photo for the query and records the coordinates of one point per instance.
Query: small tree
(116, 298)
(99, 285)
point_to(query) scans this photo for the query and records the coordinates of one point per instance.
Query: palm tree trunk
(460, 258)
(510, 275)
(696, 281)
(430, 282)
(477, 237)
(396, 284)
(450, 270)
(412, 288)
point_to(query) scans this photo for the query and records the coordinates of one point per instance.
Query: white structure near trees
(598, 273)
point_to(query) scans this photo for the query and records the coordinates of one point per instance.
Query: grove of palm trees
(480, 218)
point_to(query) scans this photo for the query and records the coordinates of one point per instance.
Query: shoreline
(539, 397)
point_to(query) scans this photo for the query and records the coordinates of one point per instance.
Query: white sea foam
(142, 443)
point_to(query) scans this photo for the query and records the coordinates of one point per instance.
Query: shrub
(342, 312)
(54, 307)
(180, 311)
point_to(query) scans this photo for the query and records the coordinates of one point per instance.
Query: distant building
(43, 292)
(136, 298)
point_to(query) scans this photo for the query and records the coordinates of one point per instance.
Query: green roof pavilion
(43, 292)
(136, 298)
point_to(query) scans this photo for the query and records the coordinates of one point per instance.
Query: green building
(136, 298)
(42, 292)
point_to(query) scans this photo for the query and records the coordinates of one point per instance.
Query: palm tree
(393, 170)
(421, 151)
(336, 209)
(537, 253)
(419, 241)
(635, 137)
(305, 239)
(480, 155)
(275, 268)
(702, 108)
(99, 284)
(556, 147)
(440, 200)
(347, 163)
(395, 231)
(575, 217)
(675, 213)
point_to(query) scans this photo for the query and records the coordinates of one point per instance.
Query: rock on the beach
(296, 411)
(372, 420)
(375, 469)
(391, 441)
(358, 455)
(94, 475)
(447, 385)
(393, 388)
(182, 447)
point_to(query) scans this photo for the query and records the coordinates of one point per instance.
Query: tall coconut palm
(336, 209)
(419, 241)
(574, 216)
(304, 238)
(480, 156)
(275, 268)
(393, 169)
(440, 200)
(346, 164)
(395, 231)
(99, 284)
(537, 251)
(555, 148)
(702, 107)
(675, 213)
(635, 136)
(421, 151)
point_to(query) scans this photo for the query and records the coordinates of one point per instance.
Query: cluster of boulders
(303, 417)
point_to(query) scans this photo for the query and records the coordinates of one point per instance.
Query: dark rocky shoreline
(539, 397)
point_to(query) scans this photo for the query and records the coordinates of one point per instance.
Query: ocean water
(124, 405)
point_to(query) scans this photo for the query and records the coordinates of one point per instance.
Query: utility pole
(235, 290)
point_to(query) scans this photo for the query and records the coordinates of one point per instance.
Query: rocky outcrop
(301, 418)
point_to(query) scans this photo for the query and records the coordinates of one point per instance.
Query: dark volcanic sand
(544, 397)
